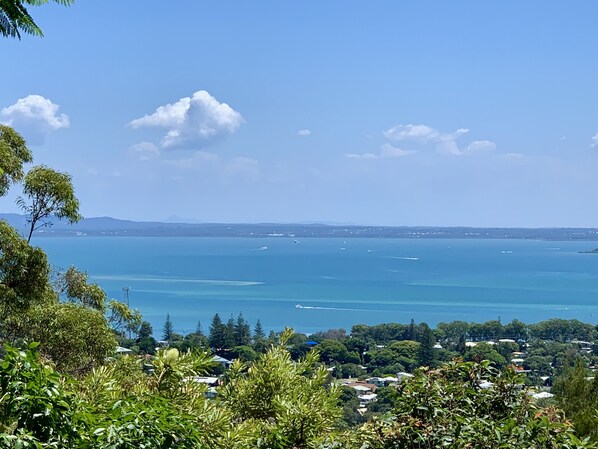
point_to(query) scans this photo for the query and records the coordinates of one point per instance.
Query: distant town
(106, 226)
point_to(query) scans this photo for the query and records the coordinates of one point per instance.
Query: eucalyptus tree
(48, 193)
(13, 154)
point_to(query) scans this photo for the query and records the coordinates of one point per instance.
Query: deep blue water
(317, 284)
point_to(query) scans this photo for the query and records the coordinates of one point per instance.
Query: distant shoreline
(111, 227)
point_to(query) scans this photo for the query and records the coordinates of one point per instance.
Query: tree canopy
(16, 19)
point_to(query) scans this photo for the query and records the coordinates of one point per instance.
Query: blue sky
(391, 113)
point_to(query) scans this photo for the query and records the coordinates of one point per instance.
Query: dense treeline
(273, 402)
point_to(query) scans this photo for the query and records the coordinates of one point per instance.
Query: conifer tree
(425, 355)
(258, 332)
(217, 331)
(411, 331)
(242, 331)
(229, 333)
(168, 329)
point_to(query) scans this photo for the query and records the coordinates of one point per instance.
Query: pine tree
(411, 331)
(168, 329)
(229, 333)
(145, 330)
(461, 346)
(425, 355)
(258, 332)
(217, 331)
(242, 331)
(198, 329)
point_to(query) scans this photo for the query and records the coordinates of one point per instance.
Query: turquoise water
(317, 284)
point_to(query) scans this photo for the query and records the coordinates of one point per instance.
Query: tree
(15, 18)
(485, 351)
(24, 276)
(242, 331)
(75, 338)
(577, 395)
(168, 330)
(217, 331)
(74, 287)
(49, 193)
(411, 331)
(13, 152)
(446, 408)
(229, 333)
(145, 330)
(425, 354)
(198, 329)
(258, 332)
(335, 351)
(285, 403)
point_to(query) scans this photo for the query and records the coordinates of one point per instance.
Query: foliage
(75, 338)
(577, 395)
(15, 18)
(425, 354)
(24, 275)
(35, 411)
(49, 193)
(167, 330)
(284, 403)
(13, 151)
(73, 286)
(448, 408)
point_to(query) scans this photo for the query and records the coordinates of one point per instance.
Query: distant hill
(107, 226)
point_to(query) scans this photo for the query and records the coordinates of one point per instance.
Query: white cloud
(443, 142)
(35, 117)
(192, 122)
(199, 160)
(244, 167)
(387, 151)
(304, 132)
(419, 133)
(361, 156)
(144, 151)
(595, 141)
(479, 146)
(512, 156)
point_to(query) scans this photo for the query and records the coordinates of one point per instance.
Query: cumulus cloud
(35, 117)
(444, 142)
(387, 151)
(595, 141)
(144, 151)
(192, 122)
(304, 132)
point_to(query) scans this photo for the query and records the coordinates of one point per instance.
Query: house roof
(121, 350)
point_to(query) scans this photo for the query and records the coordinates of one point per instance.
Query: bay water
(322, 283)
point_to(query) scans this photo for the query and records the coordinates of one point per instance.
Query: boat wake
(299, 306)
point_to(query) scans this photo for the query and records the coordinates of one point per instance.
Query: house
(210, 381)
(123, 351)
(221, 360)
(362, 387)
(382, 381)
(365, 399)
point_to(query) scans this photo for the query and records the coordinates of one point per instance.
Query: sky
(420, 112)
